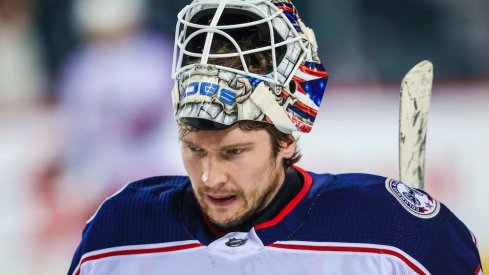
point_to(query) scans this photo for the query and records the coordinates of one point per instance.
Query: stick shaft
(413, 119)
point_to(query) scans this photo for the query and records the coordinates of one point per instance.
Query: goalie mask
(246, 60)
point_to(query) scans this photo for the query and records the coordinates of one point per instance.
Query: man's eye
(234, 151)
(195, 149)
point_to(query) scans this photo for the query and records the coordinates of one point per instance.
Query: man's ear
(288, 147)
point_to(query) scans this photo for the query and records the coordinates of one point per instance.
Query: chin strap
(264, 99)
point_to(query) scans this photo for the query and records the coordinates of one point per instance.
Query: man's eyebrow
(226, 147)
(232, 146)
(188, 142)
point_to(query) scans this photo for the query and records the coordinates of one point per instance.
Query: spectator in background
(112, 95)
(21, 75)
(112, 101)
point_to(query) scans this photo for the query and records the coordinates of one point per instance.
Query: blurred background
(85, 107)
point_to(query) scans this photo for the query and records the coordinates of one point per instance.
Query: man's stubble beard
(254, 204)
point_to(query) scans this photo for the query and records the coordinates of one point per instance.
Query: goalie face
(234, 173)
(246, 60)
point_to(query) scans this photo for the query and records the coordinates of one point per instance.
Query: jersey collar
(291, 186)
(261, 226)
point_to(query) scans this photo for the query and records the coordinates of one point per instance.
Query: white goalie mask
(246, 60)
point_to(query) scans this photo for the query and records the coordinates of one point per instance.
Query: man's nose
(213, 172)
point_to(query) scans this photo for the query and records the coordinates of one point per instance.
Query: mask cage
(259, 34)
(200, 22)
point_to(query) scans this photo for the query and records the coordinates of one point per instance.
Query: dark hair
(259, 62)
(277, 138)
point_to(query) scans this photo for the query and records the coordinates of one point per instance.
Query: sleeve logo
(417, 202)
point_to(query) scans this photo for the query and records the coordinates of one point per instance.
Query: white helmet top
(287, 88)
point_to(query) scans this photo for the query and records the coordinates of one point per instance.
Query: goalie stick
(413, 118)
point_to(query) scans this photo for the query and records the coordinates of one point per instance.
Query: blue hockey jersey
(336, 224)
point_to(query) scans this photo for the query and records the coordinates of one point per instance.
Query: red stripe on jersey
(292, 204)
(135, 252)
(211, 226)
(478, 270)
(412, 265)
(281, 215)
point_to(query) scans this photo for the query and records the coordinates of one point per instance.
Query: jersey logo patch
(235, 242)
(417, 202)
